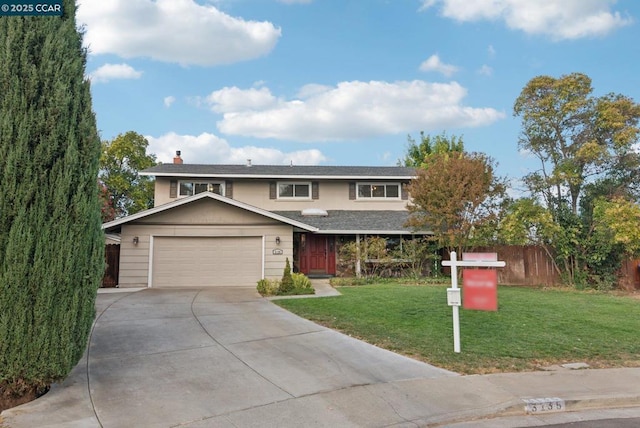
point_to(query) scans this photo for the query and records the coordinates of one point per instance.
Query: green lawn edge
(533, 329)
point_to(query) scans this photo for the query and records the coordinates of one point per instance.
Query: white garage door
(206, 262)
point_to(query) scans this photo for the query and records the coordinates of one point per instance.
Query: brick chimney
(177, 159)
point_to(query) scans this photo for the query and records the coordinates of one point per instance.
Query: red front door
(317, 255)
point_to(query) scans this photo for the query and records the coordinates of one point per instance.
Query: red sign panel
(480, 289)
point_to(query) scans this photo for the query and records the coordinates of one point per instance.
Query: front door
(317, 255)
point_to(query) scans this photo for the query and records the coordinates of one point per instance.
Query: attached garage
(206, 261)
(206, 240)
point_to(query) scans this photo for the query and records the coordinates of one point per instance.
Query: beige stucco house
(231, 225)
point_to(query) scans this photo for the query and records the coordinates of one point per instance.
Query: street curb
(516, 407)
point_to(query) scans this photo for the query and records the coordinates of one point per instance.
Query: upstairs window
(190, 188)
(294, 190)
(378, 190)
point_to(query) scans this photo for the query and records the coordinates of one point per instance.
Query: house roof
(353, 222)
(112, 225)
(282, 171)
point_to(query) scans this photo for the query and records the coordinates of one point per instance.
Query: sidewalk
(468, 398)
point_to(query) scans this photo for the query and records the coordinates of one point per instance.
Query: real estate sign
(479, 282)
(480, 289)
(480, 286)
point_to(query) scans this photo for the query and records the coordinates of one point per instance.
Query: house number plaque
(277, 252)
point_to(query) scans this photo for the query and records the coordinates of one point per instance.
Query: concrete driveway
(224, 357)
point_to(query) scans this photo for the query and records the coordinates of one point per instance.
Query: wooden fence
(630, 275)
(531, 265)
(525, 265)
(112, 259)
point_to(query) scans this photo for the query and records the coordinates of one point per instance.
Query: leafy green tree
(121, 160)
(417, 153)
(527, 222)
(458, 197)
(51, 243)
(107, 212)
(621, 219)
(585, 148)
(575, 136)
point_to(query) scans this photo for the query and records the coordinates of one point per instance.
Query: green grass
(532, 328)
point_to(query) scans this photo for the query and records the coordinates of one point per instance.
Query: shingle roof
(114, 225)
(348, 222)
(277, 171)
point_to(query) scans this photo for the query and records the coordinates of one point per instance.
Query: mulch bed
(26, 394)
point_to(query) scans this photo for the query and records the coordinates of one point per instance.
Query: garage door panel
(206, 262)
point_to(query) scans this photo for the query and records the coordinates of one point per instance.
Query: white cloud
(230, 99)
(109, 72)
(209, 149)
(180, 31)
(168, 101)
(351, 110)
(312, 89)
(433, 63)
(485, 70)
(492, 51)
(558, 19)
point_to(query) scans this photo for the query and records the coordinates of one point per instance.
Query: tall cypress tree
(51, 244)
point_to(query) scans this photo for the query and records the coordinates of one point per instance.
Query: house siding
(204, 218)
(331, 195)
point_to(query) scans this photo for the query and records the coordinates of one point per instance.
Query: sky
(342, 82)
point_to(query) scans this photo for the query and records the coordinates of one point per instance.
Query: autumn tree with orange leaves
(458, 197)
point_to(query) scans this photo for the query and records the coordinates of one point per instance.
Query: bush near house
(300, 285)
(412, 258)
(286, 284)
(268, 287)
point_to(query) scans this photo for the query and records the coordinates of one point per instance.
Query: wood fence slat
(531, 265)
(112, 260)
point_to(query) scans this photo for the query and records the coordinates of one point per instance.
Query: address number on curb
(544, 405)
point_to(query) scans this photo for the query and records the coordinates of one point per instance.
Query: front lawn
(532, 328)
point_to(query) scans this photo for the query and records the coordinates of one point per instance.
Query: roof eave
(155, 210)
(371, 232)
(279, 176)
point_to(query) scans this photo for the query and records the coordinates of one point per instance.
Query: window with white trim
(378, 190)
(190, 188)
(294, 190)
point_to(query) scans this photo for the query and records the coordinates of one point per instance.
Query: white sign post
(453, 293)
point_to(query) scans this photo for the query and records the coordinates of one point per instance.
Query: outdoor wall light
(277, 240)
(136, 240)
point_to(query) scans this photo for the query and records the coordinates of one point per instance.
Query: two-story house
(235, 224)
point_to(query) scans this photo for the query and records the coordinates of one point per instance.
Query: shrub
(268, 287)
(286, 284)
(301, 282)
(301, 285)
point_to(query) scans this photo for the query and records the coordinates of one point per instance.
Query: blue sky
(342, 82)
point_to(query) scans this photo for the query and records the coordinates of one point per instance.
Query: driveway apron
(220, 357)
